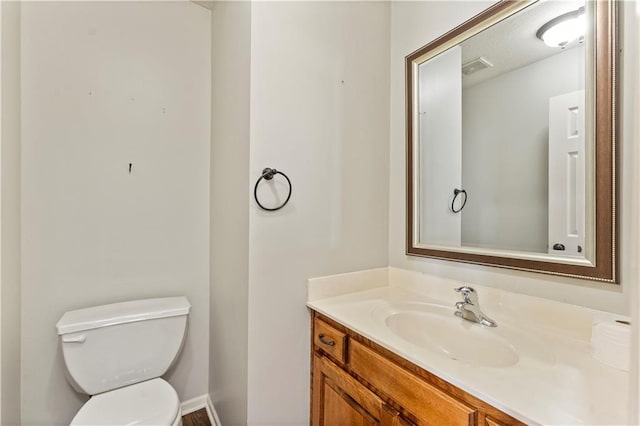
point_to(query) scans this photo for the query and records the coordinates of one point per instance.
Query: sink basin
(436, 328)
(465, 342)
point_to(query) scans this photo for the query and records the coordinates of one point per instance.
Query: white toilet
(117, 353)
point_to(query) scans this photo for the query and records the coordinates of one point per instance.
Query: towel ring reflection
(268, 174)
(457, 192)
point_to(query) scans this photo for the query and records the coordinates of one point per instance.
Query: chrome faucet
(469, 309)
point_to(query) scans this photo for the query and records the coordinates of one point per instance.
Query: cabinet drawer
(427, 403)
(330, 340)
(491, 422)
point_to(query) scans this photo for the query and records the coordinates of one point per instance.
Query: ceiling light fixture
(563, 29)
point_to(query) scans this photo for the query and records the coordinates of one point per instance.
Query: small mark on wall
(90, 92)
(164, 110)
(130, 166)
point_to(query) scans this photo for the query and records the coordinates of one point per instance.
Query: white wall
(231, 58)
(505, 148)
(105, 85)
(413, 24)
(10, 215)
(319, 113)
(632, 101)
(440, 147)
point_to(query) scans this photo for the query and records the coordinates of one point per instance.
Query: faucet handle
(467, 292)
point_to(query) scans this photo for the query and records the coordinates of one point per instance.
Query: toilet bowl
(153, 402)
(117, 353)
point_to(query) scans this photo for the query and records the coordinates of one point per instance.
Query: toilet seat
(153, 402)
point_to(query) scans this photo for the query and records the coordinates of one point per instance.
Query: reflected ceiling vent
(475, 65)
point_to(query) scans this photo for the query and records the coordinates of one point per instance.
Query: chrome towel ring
(457, 192)
(268, 174)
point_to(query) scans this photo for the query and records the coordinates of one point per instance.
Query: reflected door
(566, 174)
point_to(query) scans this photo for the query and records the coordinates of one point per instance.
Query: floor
(197, 418)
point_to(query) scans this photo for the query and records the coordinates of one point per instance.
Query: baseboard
(198, 403)
(211, 412)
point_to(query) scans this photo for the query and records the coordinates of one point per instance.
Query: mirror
(511, 140)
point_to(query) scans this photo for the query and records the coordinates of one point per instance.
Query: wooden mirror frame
(605, 129)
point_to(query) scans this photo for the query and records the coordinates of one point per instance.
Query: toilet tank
(110, 346)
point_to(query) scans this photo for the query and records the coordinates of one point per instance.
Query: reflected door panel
(566, 174)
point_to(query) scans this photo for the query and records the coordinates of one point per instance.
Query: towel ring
(457, 192)
(268, 174)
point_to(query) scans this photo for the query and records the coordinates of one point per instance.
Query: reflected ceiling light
(564, 29)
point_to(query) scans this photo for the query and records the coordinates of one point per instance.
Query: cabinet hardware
(325, 341)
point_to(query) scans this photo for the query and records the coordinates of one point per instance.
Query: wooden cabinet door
(340, 400)
(339, 409)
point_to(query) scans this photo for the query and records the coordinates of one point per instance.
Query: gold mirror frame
(605, 129)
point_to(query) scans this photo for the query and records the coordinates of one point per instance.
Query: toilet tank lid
(119, 313)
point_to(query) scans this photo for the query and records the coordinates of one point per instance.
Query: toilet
(116, 353)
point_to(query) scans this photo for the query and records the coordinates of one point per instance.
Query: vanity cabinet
(357, 382)
(339, 399)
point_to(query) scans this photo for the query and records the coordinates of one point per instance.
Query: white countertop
(557, 383)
